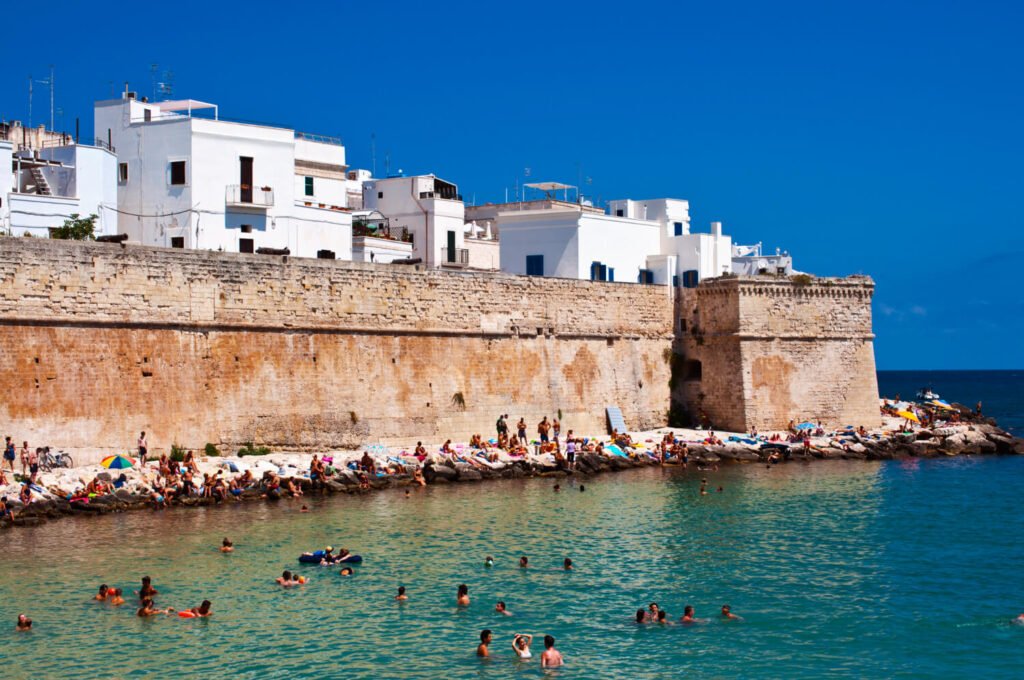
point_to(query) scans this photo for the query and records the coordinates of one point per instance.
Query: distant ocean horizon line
(948, 370)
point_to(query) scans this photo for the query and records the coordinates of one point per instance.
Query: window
(619, 213)
(380, 194)
(675, 280)
(691, 277)
(611, 274)
(535, 265)
(122, 172)
(309, 186)
(646, 276)
(246, 228)
(147, 115)
(678, 228)
(599, 272)
(177, 241)
(177, 173)
(245, 245)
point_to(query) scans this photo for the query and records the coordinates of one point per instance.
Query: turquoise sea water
(840, 569)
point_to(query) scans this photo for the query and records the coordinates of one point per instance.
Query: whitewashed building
(428, 209)
(188, 179)
(46, 177)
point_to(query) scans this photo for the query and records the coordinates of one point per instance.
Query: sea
(839, 569)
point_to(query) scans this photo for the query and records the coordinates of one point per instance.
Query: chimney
(716, 228)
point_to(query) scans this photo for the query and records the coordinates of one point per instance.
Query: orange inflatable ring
(187, 614)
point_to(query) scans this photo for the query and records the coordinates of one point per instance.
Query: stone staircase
(42, 186)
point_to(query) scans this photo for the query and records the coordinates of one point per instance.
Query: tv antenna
(49, 83)
(166, 87)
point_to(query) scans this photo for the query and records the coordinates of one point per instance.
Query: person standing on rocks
(9, 454)
(143, 447)
(521, 426)
(502, 426)
(543, 427)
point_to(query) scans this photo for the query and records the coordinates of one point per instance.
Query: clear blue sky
(879, 138)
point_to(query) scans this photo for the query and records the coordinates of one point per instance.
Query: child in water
(227, 546)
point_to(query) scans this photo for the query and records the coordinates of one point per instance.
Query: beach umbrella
(908, 415)
(806, 426)
(942, 404)
(117, 462)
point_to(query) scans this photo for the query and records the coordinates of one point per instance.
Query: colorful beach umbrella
(806, 426)
(117, 462)
(908, 415)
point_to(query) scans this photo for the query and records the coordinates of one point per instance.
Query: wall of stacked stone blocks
(769, 350)
(100, 341)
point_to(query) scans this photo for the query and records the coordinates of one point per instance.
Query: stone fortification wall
(101, 341)
(760, 351)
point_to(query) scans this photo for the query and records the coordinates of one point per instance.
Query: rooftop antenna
(373, 154)
(152, 77)
(166, 87)
(30, 81)
(387, 163)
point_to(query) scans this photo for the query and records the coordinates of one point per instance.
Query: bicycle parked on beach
(49, 460)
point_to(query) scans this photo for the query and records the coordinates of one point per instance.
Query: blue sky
(878, 138)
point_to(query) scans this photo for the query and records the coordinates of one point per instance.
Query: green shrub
(250, 450)
(76, 228)
(177, 453)
(801, 279)
(211, 450)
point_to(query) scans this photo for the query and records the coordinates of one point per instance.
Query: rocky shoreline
(975, 439)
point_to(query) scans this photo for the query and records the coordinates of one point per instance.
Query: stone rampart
(100, 341)
(760, 351)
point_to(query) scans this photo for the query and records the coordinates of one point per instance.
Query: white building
(427, 208)
(191, 181)
(47, 177)
(750, 261)
(373, 239)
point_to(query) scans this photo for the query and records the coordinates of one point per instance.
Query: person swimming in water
(226, 545)
(485, 639)
(567, 564)
(524, 562)
(102, 594)
(462, 597)
(641, 616)
(147, 609)
(550, 657)
(147, 589)
(502, 609)
(114, 597)
(347, 571)
(663, 618)
(285, 579)
(202, 611)
(488, 561)
(728, 615)
(652, 611)
(688, 616)
(521, 645)
(401, 597)
(24, 623)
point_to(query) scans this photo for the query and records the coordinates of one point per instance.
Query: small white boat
(926, 394)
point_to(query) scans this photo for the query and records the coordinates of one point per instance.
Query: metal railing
(438, 194)
(322, 139)
(243, 195)
(454, 257)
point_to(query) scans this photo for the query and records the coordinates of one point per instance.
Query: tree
(76, 228)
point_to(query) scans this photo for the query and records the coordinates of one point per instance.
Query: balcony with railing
(454, 257)
(246, 196)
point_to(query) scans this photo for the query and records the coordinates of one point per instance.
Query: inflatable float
(316, 556)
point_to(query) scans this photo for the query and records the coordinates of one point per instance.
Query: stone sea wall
(761, 351)
(100, 341)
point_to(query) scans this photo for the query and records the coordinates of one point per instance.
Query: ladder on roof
(615, 419)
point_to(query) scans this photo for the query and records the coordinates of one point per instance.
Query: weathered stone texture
(772, 350)
(101, 341)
